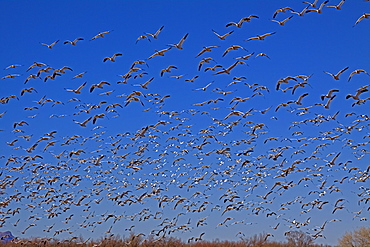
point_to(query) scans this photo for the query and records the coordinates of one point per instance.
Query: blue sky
(174, 154)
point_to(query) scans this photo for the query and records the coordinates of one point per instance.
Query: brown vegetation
(298, 239)
(358, 238)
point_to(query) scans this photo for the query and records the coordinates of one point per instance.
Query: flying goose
(99, 85)
(222, 37)
(168, 69)
(155, 35)
(113, 106)
(28, 90)
(46, 70)
(192, 79)
(112, 58)
(329, 94)
(145, 85)
(300, 84)
(10, 76)
(179, 45)
(281, 10)
(336, 76)
(338, 6)
(138, 62)
(282, 23)
(284, 80)
(128, 74)
(161, 100)
(299, 100)
(264, 112)
(78, 90)
(21, 123)
(204, 88)
(177, 76)
(357, 71)
(72, 42)
(52, 77)
(206, 48)
(239, 24)
(281, 105)
(302, 12)
(83, 124)
(12, 142)
(357, 95)
(261, 37)
(79, 75)
(261, 88)
(204, 60)
(51, 45)
(62, 70)
(142, 37)
(327, 105)
(140, 75)
(338, 207)
(262, 55)
(107, 93)
(232, 48)
(13, 66)
(239, 78)
(35, 64)
(249, 18)
(98, 116)
(313, 5)
(319, 10)
(159, 53)
(363, 16)
(227, 70)
(100, 35)
(233, 83)
(131, 99)
(246, 57)
(303, 77)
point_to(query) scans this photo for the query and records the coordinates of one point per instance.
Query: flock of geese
(230, 156)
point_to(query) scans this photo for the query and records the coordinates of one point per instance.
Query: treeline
(357, 238)
(297, 238)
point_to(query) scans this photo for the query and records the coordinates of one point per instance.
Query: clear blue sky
(284, 151)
